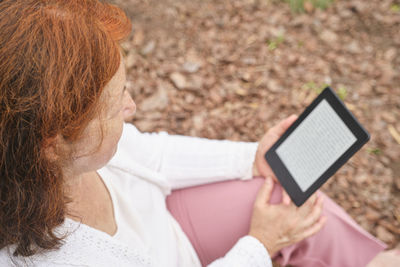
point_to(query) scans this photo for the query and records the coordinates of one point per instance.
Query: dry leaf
(394, 133)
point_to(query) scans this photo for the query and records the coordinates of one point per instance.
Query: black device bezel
(283, 174)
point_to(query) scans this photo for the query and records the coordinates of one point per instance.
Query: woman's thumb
(264, 194)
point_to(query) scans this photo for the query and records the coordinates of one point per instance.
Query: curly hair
(56, 56)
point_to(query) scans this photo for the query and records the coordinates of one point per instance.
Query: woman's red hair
(56, 56)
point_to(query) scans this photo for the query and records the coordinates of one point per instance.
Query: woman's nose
(129, 107)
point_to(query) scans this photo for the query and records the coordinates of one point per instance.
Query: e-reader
(315, 146)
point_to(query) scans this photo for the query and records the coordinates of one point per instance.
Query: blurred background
(232, 69)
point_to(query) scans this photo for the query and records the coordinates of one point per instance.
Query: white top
(139, 177)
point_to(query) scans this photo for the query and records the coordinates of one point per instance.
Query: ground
(232, 69)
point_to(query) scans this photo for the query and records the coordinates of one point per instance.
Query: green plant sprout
(272, 45)
(395, 8)
(297, 6)
(375, 151)
(322, 4)
(342, 92)
(314, 87)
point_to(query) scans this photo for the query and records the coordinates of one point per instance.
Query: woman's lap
(215, 216)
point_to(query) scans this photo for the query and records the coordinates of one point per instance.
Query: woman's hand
(278, 226)
(261, 166)
(388, 258)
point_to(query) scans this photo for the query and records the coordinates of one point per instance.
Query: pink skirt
(215, 216)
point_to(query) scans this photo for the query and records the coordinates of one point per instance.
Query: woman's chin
(110, 156)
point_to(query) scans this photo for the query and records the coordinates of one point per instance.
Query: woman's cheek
(115, 133)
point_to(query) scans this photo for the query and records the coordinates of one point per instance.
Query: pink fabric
(215, 216)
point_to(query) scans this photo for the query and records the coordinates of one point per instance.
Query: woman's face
(118, 107)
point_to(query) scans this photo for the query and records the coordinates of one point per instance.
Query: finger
(264, 194)
(314, 228)
(282, 126)
(274, 179)
(289, 121)
(307, 207)
(285, 198)
(315, 214)
(311, 201)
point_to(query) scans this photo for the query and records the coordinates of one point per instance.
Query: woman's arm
(187, 161)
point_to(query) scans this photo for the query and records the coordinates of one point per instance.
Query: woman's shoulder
(82, 246)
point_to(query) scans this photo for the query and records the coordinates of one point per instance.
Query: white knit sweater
(146, 167)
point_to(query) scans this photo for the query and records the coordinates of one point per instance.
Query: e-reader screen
(315, 145)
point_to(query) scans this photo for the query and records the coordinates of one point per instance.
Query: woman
(69, 197)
